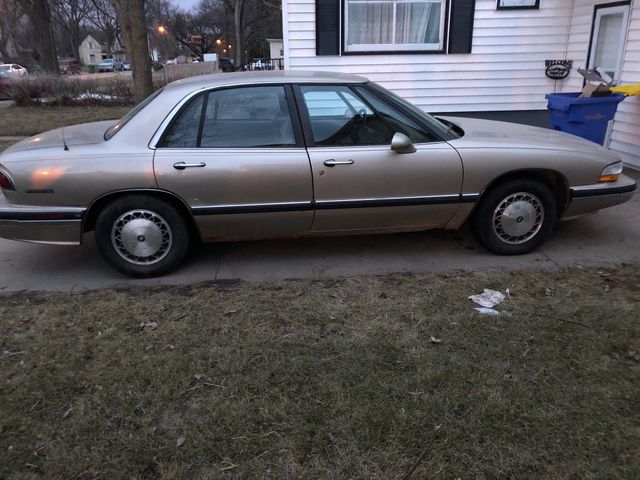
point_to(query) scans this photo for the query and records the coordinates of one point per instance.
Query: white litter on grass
(486, 311)
(489, 298)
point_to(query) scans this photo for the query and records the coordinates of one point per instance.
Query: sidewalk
(11, 139)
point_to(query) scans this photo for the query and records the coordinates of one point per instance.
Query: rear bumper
(58, 226)
(591, 198)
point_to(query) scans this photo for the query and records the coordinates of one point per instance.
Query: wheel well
(554, 180)
(89, 221)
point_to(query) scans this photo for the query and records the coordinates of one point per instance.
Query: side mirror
(400, 143)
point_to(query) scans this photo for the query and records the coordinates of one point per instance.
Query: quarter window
(393, 25)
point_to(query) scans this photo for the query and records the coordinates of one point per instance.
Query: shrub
(63, 91)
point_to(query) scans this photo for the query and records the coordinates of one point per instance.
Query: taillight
(5, 181)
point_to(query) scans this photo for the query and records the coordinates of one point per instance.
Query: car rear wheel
(515, 217)
(142, 236)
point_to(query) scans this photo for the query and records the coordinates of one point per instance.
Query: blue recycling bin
(584, 117)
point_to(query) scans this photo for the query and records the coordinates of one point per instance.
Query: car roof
(267, 76)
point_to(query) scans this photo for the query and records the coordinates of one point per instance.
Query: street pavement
(604, 239)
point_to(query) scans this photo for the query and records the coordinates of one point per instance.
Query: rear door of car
(237, 157)
(359, 182)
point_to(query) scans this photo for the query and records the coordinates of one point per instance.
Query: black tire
(162, 236)
(532, 204)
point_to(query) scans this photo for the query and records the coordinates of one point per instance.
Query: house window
(518, 4)
(92, 59)
(91, 45)
(394, 25)
(607, 38)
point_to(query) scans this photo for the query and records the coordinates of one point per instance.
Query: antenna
(64, 141)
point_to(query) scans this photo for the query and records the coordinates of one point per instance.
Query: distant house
(276, 49)
(92, 51)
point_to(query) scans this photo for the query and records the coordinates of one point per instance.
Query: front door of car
(238, 159)
(359, 182)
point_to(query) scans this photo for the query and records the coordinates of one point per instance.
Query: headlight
(611, 172)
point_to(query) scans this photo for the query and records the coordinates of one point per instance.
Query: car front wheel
(515, 217)
(142, 236)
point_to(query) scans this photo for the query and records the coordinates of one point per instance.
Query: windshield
(444, 131)
(132, 113)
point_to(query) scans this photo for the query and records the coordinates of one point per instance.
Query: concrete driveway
(609, 237)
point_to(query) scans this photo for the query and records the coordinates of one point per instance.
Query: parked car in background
(260, 64)
(226, 64)
(126, 66)
(110, 65)
(13, 70)
(70, 66)
(4, 80)
(271, 154)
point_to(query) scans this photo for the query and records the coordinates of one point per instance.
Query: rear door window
(243, 117)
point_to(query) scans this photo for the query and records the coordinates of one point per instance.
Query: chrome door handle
(333, 163)
(183, 165)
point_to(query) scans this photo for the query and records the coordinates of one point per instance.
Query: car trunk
(84, 134)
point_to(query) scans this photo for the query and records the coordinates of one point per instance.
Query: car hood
(84, 134)
(491, 134)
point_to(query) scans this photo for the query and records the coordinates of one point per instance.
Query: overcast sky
(185, 3)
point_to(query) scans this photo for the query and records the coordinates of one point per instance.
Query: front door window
(607, 41)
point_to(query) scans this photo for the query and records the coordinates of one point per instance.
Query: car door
(359, 182)
(237, 157)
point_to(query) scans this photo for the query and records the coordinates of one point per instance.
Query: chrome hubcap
(141, 237)
(518, 218)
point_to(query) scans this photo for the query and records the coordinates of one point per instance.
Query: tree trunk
(75, 40)
(134, 31)
(238, 8)
(40, 16)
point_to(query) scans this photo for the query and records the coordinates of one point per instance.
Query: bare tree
(102, 16)
(70, 14)
(40, 18)
(9, 20)
(131, 16)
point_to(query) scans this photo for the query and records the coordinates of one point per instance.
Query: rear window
(132, 113)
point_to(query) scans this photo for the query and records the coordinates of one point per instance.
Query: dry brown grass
(333, 379)
(27, 121)
(5, 145)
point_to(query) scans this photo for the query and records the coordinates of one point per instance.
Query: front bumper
(53, 225)
(591, 198)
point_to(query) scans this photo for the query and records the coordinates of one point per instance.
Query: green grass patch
(27, 121)
(332, 379)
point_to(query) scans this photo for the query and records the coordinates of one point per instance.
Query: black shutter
(461, 27)
(327, 27)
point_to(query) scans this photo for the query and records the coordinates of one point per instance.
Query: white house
(481, 58)
(92, 52)
(276, 49)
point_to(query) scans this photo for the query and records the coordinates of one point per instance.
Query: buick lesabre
(255, 155)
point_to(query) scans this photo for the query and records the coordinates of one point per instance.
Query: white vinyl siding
(625, 136)
(505, 70)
